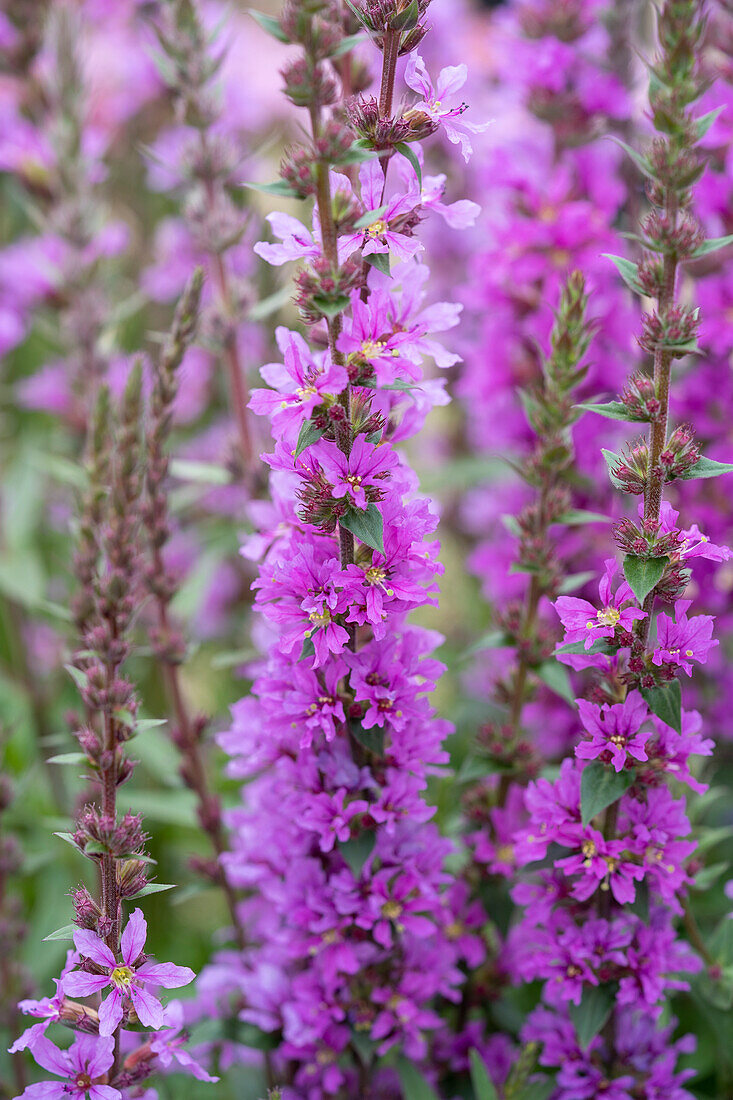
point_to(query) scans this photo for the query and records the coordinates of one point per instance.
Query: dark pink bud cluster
(323, 290)
(680, 454)
(640, 397)
(674, 331)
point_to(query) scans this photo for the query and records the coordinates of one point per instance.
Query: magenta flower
(299, 386)
(366, 467)
(47, 1009)
(383, 234)
(89, 1058)
(128, 979)
(614, 730)
(169, 1045)
(585, 623)
(681, 640)
(450, 81)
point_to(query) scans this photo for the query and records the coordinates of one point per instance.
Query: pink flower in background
(90, 1057)
(128, 979)
(450, 115)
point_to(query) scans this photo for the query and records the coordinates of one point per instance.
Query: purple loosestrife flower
(682, 640)
(48, 1008)
(614, 730)
(168, 1045)
(298, 386)
(89, 1058)
(383, 234)
(585, 623)
(435, 105)
(366, 466)
(128, 979)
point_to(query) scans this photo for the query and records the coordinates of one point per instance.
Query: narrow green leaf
(68, 758)
(371, 216)
(331, 307)
(411, 155)
(712, 245)
(601, 646)
(612, 410)
(414, 1085)
(578, 517)
(666, 702)
(573, 581)
(483, 1086)
(207, 472)
(279, 187)
(357, 850)
(79, 677)
(612, 460)
(346, 45)
(308, 650)
(154, 888)
(308, 434)
(628, 271)
(149, 723)
(68, 837)
(495, 639)
(66, 932)
(707, 467)
(704, 122)
(272, 26)
(643, 574)
(380, 260)
(639, 159)
(557, 678)
(407, 19)
(594, 1009)
(599, 787)
(368, 526)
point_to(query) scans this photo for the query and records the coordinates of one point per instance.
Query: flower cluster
(599, 918)
(353, 932)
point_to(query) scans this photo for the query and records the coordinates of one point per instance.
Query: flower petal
(168, 975)
(81, 984)
(149, 1009)
(50, 1057)
(104, 1092)
(94, 948)
(45, 1090)
(134, 936)
(110, 1013)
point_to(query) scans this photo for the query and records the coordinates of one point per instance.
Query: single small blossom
(682, 640)
(128, 979)
(168, 1045)
(585, 623)
(80, 1066)
(366, 466)
(436, 105)
(614, 730)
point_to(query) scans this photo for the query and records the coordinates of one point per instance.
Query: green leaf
(357, 850)
(372, 739)
(594, 1009)
(483, 1086)
(67, 758)
(308, 435)
(612, 460)
(380, 260)
(612, 410)
(410, 154)
(414, 1085)
(578, 517)
(368, 526)
(666, 702)
(495, 639)
(272, 26)
(331, 307)
(154, 888)
(708, 876)
(573, 581)
(628, 271)
(643, 574)
(537, 1090)
(308, 650)
(68, 837)
(599, 787)
(407, 19)
(639, 159)
(707, 467)
(207, 472)
(557, 678)
(601, 646)
(371, 216)
(263, 309)
(346, 45)
(149, 723)
(279, 187)
(711, 246)
(704, 122)
(79, 677)
(66, 932)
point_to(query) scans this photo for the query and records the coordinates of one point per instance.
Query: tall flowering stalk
(353, 933)
(108, 956)
(599, 927)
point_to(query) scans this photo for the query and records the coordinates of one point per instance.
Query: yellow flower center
(320, 618)
(375, 575)
(391, 910)
(121, 976)
(589, 850)
(371, 349)
(377, 228)
(608, 617)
